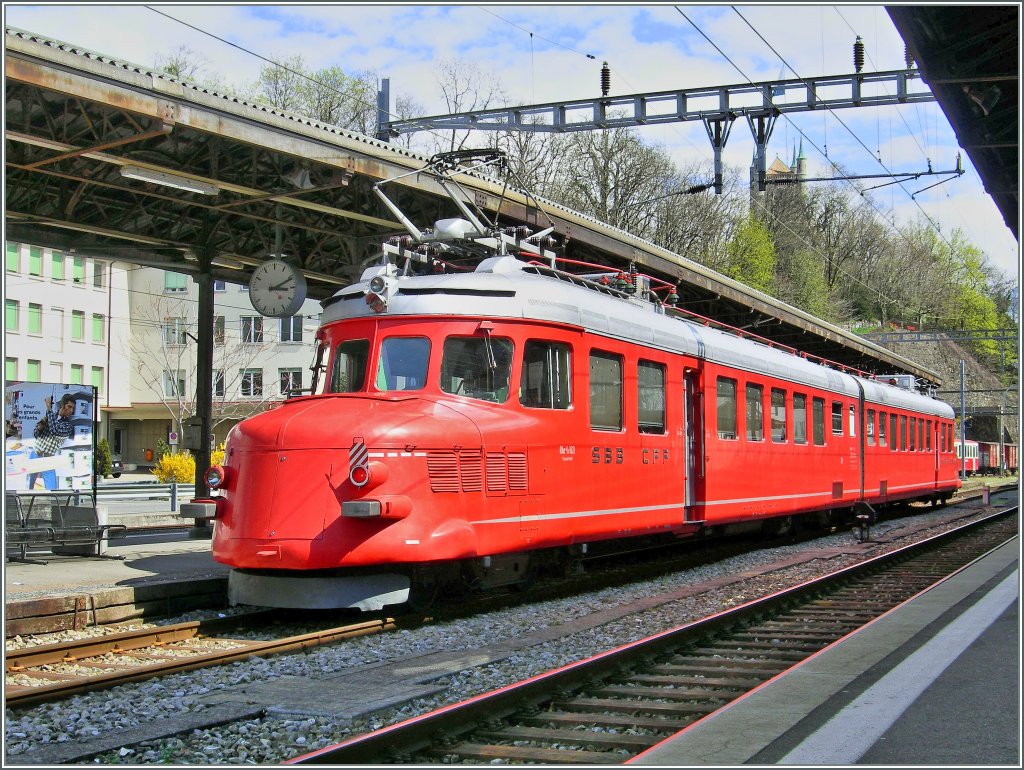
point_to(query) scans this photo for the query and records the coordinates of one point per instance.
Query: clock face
(277, 289)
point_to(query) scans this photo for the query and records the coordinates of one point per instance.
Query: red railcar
(991, 463)
(968, 456)
(472, 426)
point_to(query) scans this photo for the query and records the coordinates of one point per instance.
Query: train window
(546, 375)
(881, 428)
(920, 435)
(928, 437)
(477, 367)
(403, 363)
(869, 428)
(853, 420)
(726, 406)
(818, 421)
(755, 412)
(893, 435)
(349, 373)
(837, 418)
(778, 415)
(799, 418)
(911, 446)
(605, 391)
(903, 433)
(650, 382)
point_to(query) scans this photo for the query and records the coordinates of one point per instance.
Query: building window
(799, 418)
(175, 281)
(778, 414)
(174, 331)
(35, 261)
(290, 379)
(291, 329)
(35, 318)
(605, 391)
(77, 374)
(755, 412)
(77, 324)
(57, 368)
(650, 397)
(10, 369)
(252, 382)
(11, 310)
(13, 264)
(218, 383)
(544, 383)
(57, 265)
(97, 379)
(818, 421)
(99, 328)
(34, 370)
(252, 328)
(220, 286)
(99, 272)
(174, 383)
(218, 330)
(725, 406)
(78, 269)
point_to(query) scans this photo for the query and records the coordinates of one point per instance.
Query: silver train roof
(505, 287)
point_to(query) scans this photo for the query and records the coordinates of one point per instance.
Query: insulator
(858, 54)
(908, 57)
(606, 79)
(522, 231)
(673, 297)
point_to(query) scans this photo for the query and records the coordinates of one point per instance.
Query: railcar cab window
(546, 377)
(837, 418)
(402, 364)
(755, 412)
(650, 397)
(799, 418)
(818, 421)
(778, 414)
(605, 391)
(477, 367)
(349, 373)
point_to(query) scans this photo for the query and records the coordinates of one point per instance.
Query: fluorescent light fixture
(169, 180)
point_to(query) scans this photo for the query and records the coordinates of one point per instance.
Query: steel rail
(442, 734)
(132, 643)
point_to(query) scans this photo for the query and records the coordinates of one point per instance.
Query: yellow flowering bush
(217, 455)
(180, 467)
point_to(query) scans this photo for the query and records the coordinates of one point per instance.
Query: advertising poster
(49, 442)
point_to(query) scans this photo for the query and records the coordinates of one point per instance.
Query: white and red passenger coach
(470, 427)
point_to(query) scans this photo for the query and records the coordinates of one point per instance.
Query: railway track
(54, 671)
(613, 706)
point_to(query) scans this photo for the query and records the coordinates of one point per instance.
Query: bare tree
(163, 351)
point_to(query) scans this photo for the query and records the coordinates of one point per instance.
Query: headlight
(216, 476)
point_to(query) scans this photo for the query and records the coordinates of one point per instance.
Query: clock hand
(280, 286)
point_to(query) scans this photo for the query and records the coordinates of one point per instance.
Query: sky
(548, 53)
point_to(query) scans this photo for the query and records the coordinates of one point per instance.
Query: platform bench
(54, 521)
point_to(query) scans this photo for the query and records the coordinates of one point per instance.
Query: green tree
(752, 256)
(104, 465)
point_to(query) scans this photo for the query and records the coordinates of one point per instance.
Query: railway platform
(936, 681)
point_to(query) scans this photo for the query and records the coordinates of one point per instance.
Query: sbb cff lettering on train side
(652, 456)
(606, 455)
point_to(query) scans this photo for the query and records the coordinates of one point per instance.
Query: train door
(694, 452)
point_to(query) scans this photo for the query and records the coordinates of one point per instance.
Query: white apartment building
(131, 331)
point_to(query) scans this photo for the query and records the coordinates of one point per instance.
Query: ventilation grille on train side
(467, 470)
